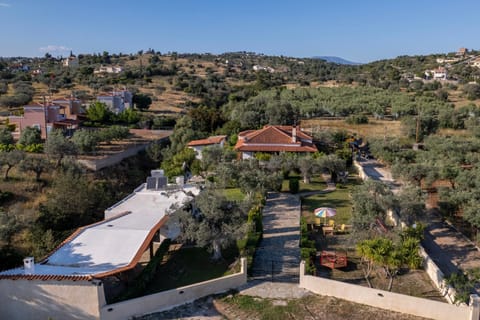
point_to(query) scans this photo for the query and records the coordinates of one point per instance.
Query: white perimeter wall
(169, 299)
(37, 299)
(388, 300)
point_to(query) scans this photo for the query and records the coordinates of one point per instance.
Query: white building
(117, 101)
(71, 61)
(108, 69)
(72, 279)
(260, 68)
(437, 74)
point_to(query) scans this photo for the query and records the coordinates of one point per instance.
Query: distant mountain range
(337, 60)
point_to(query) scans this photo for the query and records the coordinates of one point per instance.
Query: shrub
(357, 119)
(294, 185)
(5, 196)
(307, 248)
(462, 284)
(255, 217)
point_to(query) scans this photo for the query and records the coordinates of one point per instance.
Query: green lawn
(234, 194)
(338, 199)
(316, 183)
(184, 267)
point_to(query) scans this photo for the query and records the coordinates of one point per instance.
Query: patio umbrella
(325, 212)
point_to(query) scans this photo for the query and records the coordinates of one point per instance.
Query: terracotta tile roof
(279, 148)
(274, 139)
(45, 277)
(208, 141)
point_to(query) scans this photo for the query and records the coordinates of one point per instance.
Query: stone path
(278, 256)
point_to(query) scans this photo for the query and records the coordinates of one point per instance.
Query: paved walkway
(278, 256)
(273, 290)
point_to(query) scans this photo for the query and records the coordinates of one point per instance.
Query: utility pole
(45, 117)
(417, 130)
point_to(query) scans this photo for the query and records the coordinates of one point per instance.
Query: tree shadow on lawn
(185, 267)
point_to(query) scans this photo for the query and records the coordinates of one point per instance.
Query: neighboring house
(72, 107)
(476, 63)
(274, 139)
(462, 52)
(437, 74)
(85, 270)
(117, 101)
(108, 69)
(260, 68)
(71, 61)
(45, 118)
(199, 145)
(446, 60)
(440, 73)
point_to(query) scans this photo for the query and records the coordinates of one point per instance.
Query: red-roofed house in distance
(199, 145)
(274, 139)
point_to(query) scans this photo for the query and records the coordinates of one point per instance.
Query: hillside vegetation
(205, 94)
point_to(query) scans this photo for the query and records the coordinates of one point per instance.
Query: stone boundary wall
(361, 172)
(437, 277)
(389, 300)
(108, 161)
(169, 299)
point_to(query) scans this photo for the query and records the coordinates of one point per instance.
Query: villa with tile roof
(199, 145)
(274, 139)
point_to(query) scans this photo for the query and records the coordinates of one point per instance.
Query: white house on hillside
(117, 101)
(71, 61)
(439, 73)
(108, 69)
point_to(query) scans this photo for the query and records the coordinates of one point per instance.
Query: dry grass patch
(375, 128)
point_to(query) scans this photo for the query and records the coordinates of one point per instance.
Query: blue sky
(361, 30)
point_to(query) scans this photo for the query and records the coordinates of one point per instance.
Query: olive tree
(57, 146)
(10, 160)
(214, 222)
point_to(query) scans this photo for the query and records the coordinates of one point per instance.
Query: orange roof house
(274, 139)
(198, 145)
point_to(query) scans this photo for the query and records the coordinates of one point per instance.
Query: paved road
(378, 171)
(278, 256)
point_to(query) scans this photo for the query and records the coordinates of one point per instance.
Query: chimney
(29, 265)
(294, 133)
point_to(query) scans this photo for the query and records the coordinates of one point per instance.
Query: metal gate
(275, 270)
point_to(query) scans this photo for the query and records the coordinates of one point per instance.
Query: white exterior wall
(198, 151)
(388, 300)
(169, 299)
(247, 155)
(36, 299)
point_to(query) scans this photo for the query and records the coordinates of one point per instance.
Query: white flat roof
(113, 243)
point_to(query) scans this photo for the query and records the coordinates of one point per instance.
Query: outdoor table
(327, 230)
